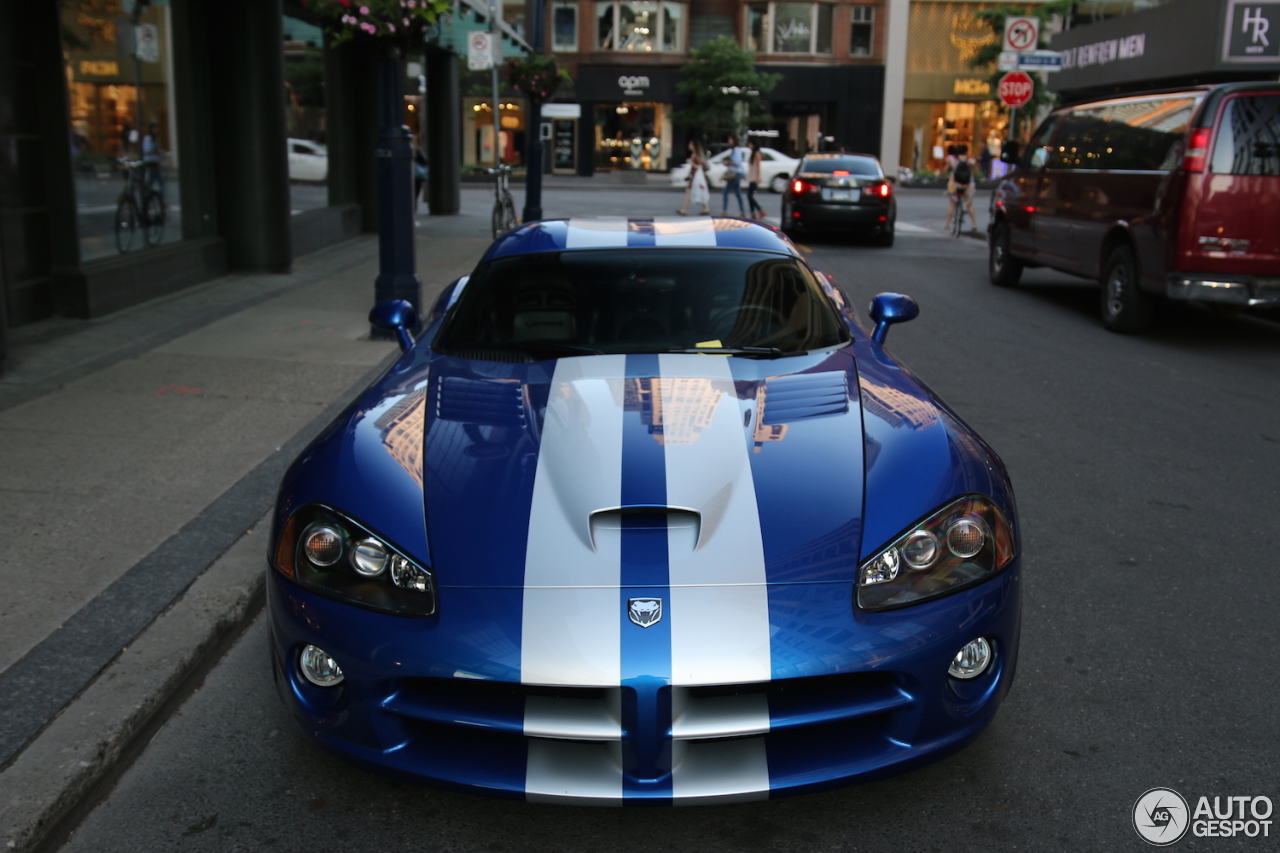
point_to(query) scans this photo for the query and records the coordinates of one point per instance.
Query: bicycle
(504, 206)
(958, 199)
(139, 206)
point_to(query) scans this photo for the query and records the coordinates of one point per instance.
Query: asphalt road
(1148, 476)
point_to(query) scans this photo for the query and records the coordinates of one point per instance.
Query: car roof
(707, 232)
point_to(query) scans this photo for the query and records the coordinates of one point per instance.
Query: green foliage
(725, 86)
(402, 21)
(1041, 99)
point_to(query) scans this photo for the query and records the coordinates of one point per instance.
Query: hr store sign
(1252, 32)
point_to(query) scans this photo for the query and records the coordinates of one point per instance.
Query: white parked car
(308, 161)
(775, 170)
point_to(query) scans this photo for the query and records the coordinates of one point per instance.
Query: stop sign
(1016, 88)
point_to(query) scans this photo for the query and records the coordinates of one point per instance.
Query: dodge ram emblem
(645, 611)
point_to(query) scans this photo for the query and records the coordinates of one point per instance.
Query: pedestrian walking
(734, 167)
(695, 189)
(753, 178)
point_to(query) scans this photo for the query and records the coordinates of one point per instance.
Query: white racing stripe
(603, 233)
(695, 232)
(569, 633)
(719, 598)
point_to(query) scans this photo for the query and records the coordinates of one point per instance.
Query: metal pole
(533, 133)
(397, 267)
(494, 35)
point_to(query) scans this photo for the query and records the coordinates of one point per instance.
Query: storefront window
(480, 136)
(673, 26)
(789, 27)
(564, 26)
(305, 115)
(629, 136)
(639, 26)
(861, 30)
(122, 127)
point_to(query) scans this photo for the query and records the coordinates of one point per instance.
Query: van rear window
(1249, 137)
(1138, 136)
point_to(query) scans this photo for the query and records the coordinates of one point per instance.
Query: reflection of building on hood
(401, 428)
(897, 408)
(676, 409)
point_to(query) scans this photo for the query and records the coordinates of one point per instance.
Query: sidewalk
(136, 452)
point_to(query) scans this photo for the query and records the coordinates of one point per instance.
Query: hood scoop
(682, 526)
(486, 402)
(783, 399)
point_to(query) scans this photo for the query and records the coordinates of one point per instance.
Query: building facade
(1167, 44)
(257, 133)
(626, 56)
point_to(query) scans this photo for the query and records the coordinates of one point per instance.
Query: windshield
(850, 164)
(640, 300)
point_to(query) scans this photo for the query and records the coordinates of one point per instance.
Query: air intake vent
(804, 395)
(481, 401)
(510, 356)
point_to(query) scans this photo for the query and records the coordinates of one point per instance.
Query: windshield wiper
(745, 352)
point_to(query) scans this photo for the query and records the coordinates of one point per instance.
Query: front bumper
(439, 700)
(1247, 290)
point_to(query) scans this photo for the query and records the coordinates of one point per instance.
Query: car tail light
(840, 173)
(799, 187)
(881, 189)
(1197, 150)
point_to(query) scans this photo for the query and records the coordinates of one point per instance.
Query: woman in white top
(695, 190)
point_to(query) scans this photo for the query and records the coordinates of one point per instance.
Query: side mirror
(396, 315)
(1010, 152)
(890, 308)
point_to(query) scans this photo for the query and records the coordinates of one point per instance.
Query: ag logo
(1160, 816)
(644, 611)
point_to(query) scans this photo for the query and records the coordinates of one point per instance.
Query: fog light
(972, 660)
(322, 545)
(319, 668)
(369, 557)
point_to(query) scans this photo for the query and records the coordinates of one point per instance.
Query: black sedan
(844, 192)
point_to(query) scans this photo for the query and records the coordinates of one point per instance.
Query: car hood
(643, 472)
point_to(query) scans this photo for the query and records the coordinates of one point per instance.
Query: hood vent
(481, 401)
(803, 395)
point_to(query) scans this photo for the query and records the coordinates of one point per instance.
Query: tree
(1041, 99)
(725, 86)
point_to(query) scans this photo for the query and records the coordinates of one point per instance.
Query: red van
(1167, 194)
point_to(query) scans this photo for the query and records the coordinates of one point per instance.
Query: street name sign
(1032, 60)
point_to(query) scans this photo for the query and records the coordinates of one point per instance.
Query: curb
(79, 756)
(62, 773)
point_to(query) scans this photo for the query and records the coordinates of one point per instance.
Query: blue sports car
(645, 514)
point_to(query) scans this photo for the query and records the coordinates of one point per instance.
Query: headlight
(964, 543)
(323, 550)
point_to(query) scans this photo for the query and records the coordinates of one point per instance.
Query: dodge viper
(644, 512)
